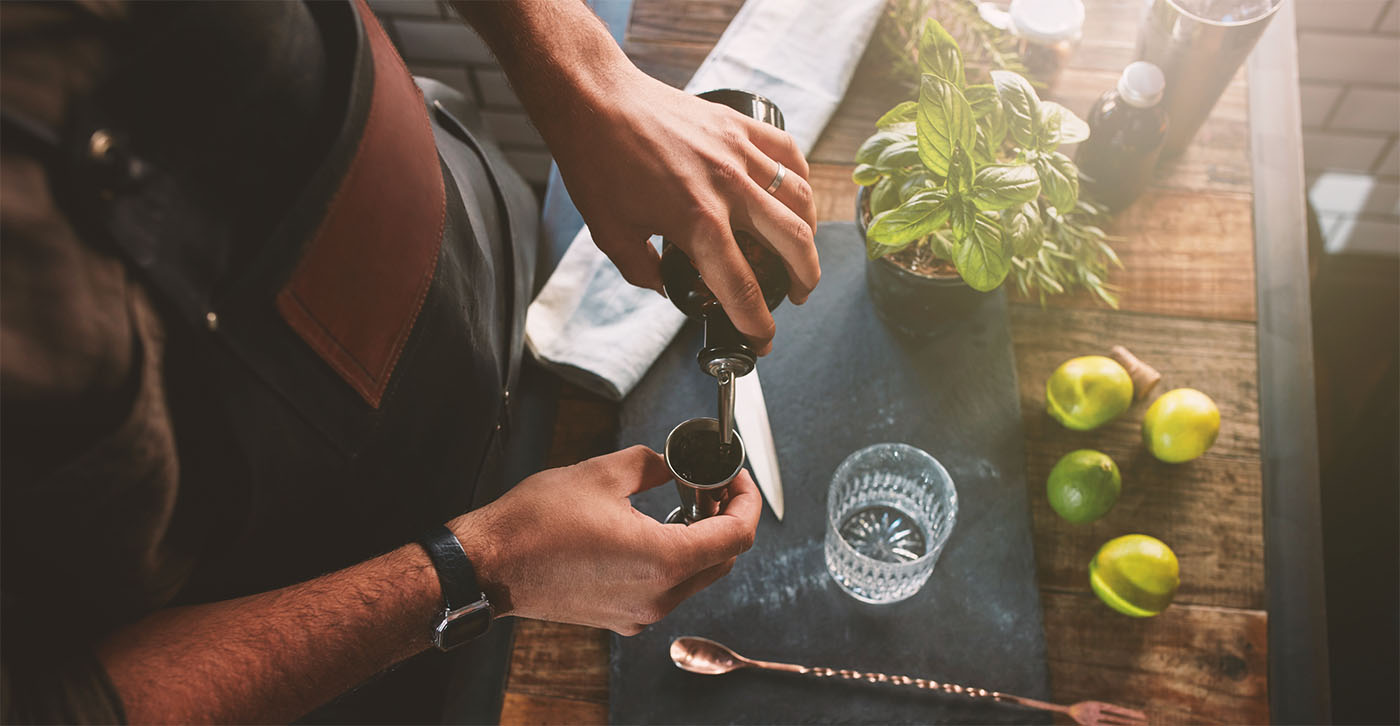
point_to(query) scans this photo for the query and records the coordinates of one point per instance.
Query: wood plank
(1187, 665)
(690, 21)
(554, 660)
(1184, 254)
(585, 427)
(1209, 510)
(1192, 663)
(519, 709)
(664, 46)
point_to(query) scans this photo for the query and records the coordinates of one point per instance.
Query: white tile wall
(1349, 61)
(1348, 58)
(1318, 100)
(1390, 23)
(1343, 193)
(1362, 235)
(1368, 109)
(1340, 14)
(1390, 164)
(450, 41)
(1346, 151)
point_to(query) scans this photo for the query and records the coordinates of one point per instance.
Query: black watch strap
(467, 613)
(454, 570)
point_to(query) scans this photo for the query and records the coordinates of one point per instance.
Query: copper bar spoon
(705, 656)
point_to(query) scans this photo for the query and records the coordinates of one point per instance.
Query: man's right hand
(566, 545)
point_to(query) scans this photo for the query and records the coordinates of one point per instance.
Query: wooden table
(1189, 308)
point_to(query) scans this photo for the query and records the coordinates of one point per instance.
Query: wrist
(474, 531)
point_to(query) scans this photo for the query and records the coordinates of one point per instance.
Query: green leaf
(1060, 126)
(905, 112)
(1021, 104)
(999, 186)
(939, 54)
(1047, 132)
(944, 123)
(898, 155)
(941, 244)
(981, 152)
(923, 213)
(916, 182)
(884, 196)
(1023, 229)
(873, 146)
(991, 117)
(981, 258)
(865, 175)
(1059, 180)
(961, 214)
(874, 250)
(907, 129)
(960, 172)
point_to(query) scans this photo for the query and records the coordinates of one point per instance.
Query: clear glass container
(890, 510)
(1048, 31)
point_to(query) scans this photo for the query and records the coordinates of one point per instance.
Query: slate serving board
(839, 380)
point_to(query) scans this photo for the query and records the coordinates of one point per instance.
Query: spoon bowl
(705, 656)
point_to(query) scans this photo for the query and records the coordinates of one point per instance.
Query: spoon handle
(924, 683)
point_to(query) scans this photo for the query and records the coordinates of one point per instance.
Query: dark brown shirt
(90, 473)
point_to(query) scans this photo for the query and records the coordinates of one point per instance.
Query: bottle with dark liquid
(1127, 128)
(705, 454)
(726, 353)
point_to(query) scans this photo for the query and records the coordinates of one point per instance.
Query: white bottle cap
(1141, 84)
(1048, 21)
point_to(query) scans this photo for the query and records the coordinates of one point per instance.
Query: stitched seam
(370, 385)
(425, 283)
(318, 240)
(324, 335)
(333, 354)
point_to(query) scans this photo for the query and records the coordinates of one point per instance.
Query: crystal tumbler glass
(889, 512)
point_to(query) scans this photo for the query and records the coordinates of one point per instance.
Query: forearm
(558, 55)
(275, 656)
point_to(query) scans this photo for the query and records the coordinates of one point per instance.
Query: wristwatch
(467, 613)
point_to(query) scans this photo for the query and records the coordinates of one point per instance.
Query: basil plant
(972, 171)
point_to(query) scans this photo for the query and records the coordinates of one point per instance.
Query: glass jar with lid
(1048, 31)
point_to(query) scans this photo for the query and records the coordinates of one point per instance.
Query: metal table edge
(1298, 681)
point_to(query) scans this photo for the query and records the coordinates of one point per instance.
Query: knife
(751, 417)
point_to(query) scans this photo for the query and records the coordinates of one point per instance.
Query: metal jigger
(700, 498)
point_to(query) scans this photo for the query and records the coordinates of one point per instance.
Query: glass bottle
(1126, 130)
(704, 454)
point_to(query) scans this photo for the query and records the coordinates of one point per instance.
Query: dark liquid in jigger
(700, 457)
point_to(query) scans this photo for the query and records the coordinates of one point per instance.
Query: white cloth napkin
(588, 324)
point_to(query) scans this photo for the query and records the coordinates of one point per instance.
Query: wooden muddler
(1144, 376)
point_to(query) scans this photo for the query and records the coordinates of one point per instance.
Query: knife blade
(751, 417)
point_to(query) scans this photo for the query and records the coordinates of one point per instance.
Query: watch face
(463, 625)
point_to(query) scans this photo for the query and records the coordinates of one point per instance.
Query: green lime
(1084, 485)
(1135, 574)
(1087, 392)
(1180, 425)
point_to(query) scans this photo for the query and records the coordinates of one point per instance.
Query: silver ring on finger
(777, 179)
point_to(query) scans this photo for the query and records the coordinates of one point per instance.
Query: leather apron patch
(357, 291)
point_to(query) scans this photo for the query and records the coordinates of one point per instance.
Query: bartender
(261, 305)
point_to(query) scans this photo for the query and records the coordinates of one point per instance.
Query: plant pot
(910, 302)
